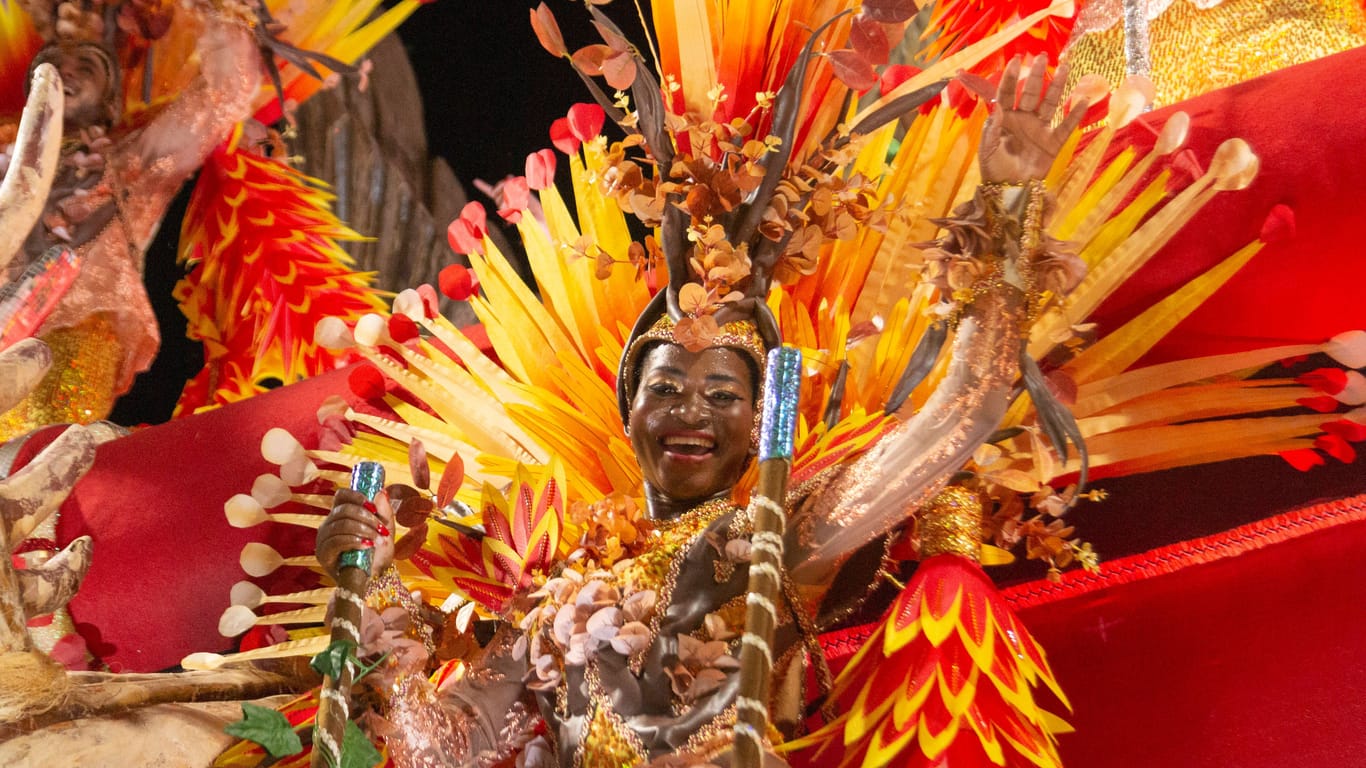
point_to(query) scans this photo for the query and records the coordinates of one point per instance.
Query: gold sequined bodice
(1193, 50)
(609, 740)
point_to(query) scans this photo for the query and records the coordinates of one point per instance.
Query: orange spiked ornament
(947, 678)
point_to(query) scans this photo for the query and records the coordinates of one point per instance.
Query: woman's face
(690, 421)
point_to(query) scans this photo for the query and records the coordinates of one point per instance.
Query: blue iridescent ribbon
(782, 389)
(368, 478)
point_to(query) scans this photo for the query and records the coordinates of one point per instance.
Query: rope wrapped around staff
(782, 389)
(353, 572)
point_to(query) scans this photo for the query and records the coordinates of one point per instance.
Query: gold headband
(743, 336)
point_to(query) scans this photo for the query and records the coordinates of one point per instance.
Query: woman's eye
(724, 397)
(663, 389)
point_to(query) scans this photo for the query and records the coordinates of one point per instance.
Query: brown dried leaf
(413, 510)
(612, 37)
(548, 31)
(692, 298)
(868, 37)
(696, 333)
(589, 58)
(417, 464)
(604, 264)
(890, 11)
(853, 69)
(411, 542)
(619, 70)
(451, 478)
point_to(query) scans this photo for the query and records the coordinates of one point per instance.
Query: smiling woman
(628, 652)
(691, 421)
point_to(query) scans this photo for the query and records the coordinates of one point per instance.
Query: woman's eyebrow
(665, 369)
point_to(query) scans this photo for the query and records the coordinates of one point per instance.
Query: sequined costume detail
(1195, 48)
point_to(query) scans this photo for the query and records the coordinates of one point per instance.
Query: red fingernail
(383, 529)
(369, 506)
(367, 543)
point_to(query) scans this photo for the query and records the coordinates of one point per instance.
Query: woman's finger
(1005, 94)
(1033, 85)
(1054, 94)
(352, 527)
(1072, 120)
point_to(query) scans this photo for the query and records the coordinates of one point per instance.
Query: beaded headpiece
(751, 337)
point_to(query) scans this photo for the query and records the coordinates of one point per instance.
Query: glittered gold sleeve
(910, 465)
(469, 722)
(1196, 46)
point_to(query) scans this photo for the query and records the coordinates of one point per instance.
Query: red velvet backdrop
(1251, 660)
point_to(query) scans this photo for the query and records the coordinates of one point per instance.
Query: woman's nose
(692, 409)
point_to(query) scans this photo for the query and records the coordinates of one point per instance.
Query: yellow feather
(1122, 348)
(1102, 394)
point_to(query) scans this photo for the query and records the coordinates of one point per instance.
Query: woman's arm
(176, 142)
(468, 720)
(907, 467)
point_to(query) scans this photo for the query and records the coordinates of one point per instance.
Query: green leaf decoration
(269, 728)
(332, 660)
(357, 751)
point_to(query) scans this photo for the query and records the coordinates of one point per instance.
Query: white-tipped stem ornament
(1354, 391)
(270, 490)
(239, 618)
(1126, 104)
(308, 646)
(262, 560)
(371, 330)
(243, 511)
(332, 333)
(300, 471)
(1348, 348)
(1234, 165)
(1174, 134)
(250, 595)
(409, 303)
(279, 447)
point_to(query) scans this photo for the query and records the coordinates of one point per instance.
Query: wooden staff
(782, 387)
(353, 572)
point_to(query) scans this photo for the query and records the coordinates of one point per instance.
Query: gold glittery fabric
(657, 567)
(385, 590)
(79, 387)
(610, 743)
(951, 524)
(432, 738)
(1194, 50)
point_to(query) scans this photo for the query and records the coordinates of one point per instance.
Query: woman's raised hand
(1020, 142)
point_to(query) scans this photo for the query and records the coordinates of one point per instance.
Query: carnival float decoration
(778, 167)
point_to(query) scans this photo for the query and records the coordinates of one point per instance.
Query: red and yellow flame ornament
(948, 677)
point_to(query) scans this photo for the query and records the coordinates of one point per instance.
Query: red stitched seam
(1172, 558)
